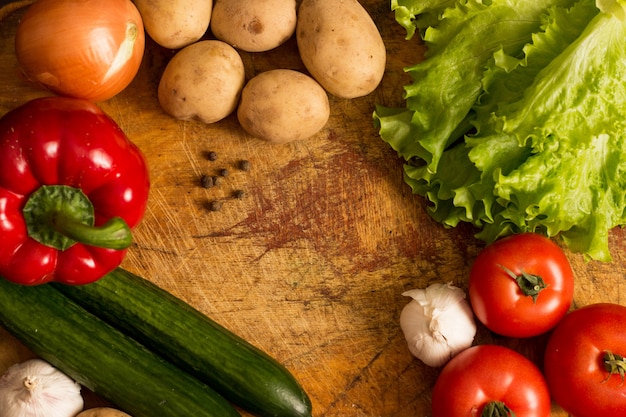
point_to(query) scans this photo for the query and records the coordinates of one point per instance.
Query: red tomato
(486, 375)
(89, 49)
(502, 305)
(574, 363)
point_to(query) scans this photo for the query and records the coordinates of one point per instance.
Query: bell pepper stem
(114, 234)
(59, 216)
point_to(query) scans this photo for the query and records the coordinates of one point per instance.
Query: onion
(89, 49)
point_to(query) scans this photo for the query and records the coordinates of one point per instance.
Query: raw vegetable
(281, 106)
(241, 372)
(103, 359)
(175, 24)
(72, 186)
(340, 46)
(584, 361)
(521, 285)
(202, 81)
(438, 323)
(488, 381)
(505, 124)
(254, 26)
(103, 412)
(89, 49)
(35, 388)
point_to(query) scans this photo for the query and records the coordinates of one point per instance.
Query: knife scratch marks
(188, 152)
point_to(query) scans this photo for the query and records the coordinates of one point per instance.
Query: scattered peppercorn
(211, 156)
(215, 205)
(217, 181)
(239, 194)
(244, 165)
(206, 181)
(224, 172)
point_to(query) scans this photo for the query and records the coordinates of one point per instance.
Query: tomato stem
(497, 409)
(530, 285)
(614, 364)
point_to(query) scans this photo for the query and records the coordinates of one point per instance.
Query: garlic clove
(437, 323)
(35, 388)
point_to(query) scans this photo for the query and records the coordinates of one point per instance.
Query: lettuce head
(518, 127)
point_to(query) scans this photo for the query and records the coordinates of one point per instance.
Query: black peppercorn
(206, 181)
(214, 205)
(244, 165)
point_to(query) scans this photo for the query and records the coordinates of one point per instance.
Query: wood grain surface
(311, 263)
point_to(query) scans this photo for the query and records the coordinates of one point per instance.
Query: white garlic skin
(438, 323)
(35, 388)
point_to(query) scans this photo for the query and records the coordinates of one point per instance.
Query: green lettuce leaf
(547, 149)
(414, 15)
(614, 7)
(446, 84)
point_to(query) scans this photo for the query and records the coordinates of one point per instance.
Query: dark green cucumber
(102, 358)
(242, 373)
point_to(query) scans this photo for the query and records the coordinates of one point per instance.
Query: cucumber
(242, 373)
(102, 358)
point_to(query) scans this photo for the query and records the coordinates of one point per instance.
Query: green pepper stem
(59, 216)
(497, 409)
(114, 234)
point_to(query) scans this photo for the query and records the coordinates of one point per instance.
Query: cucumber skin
(103, 359)
(242, 373)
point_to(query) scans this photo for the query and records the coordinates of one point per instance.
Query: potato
(202, 81)
(341, 46)
(175, 24)
(283, 105)
(254, 26)
(102, 412)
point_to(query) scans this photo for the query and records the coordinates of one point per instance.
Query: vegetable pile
(515, 119)
(72, 186)
(519, 287)
(123, 332)
(338, 44)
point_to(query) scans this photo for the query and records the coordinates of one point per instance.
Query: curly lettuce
(526, 131)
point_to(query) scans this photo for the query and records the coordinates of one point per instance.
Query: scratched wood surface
(311, 263)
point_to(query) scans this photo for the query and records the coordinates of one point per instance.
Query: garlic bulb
(438, 323)
(37, 389)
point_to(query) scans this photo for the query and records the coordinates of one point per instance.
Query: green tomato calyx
(497, 409)
(614, 364)
(530, 285)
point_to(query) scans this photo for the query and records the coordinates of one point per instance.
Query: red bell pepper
(71, 188)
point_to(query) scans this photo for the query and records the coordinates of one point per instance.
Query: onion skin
(69, 46)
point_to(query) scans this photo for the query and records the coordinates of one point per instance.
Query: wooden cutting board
(311, 263)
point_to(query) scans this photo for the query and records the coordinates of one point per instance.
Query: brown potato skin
(102, 412)
(282, 105)
(254, 26)
(175, 24)
(202, 81)
(341, 46)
